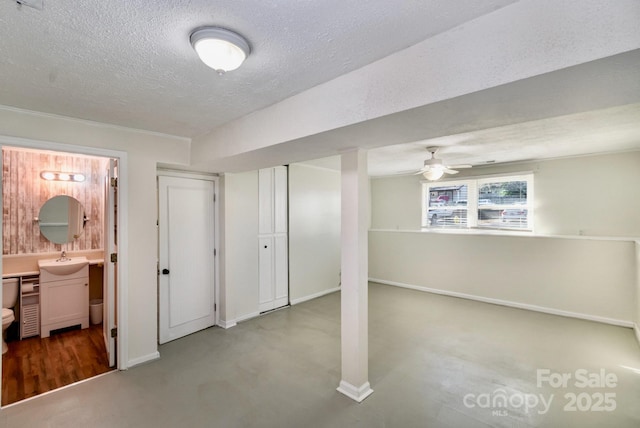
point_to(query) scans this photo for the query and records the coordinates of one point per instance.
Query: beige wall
(144, 151)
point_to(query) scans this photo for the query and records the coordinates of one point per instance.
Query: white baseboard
(144, 359)
(247, 316)
(314, 296)
(227, 324)
(526, 306)
(355, 393)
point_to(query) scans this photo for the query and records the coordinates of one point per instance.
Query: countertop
(92, 262)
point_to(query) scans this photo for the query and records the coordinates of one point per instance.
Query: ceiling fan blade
(422, 170)
(450, 171)
(460, 166)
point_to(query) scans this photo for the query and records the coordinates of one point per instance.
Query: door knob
(165, 271)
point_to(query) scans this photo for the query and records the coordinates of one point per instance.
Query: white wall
(592, 196)
(594, 278)
(637, 300)
(241, 244)
(144, 150)
(314, 231)
(393, 203)
(314, 238)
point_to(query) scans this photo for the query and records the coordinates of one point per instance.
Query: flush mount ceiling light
(220, 49)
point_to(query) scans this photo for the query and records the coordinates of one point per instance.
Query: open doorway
(62, 208)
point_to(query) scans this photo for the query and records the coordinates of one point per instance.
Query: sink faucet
(63, 257)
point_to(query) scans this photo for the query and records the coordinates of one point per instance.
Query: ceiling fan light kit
(219, 48)
(435, 168)
(433, 174)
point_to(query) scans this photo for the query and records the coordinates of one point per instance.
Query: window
(503, 202)
(446, 205)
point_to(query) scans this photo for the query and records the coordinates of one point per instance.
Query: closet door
(266, 260)
(281, 271)
(265, 201)
(186, 264)
(273, 238)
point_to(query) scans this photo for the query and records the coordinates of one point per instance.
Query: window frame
(473, 185)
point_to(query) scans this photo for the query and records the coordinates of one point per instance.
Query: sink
(63, 267)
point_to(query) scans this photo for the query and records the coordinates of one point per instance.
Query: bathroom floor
(34, 366)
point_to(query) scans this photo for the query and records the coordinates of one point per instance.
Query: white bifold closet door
(273, 238)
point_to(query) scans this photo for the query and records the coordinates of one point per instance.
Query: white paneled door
(186, 259)
(273, 238)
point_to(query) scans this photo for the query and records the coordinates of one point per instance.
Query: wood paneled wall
(24, 192)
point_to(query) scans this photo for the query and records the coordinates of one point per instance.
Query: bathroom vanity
(55, 292)
(64, 294)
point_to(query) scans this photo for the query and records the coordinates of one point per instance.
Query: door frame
(215, 178)
(122, 301)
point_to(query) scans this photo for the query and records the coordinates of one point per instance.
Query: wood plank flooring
(34, 366)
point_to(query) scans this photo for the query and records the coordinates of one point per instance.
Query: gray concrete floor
(426, 352)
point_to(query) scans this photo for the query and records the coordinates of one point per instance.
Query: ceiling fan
(435, 168)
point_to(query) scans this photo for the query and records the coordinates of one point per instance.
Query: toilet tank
(9, 292)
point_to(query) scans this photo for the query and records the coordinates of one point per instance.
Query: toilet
(9, 300)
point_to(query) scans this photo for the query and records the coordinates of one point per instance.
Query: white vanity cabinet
(64, 300)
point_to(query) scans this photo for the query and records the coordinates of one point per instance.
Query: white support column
(355, 266)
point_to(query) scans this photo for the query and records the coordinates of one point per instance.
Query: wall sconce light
(62, 176)
(220, 49)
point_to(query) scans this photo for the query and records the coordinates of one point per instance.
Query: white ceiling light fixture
(219, 48)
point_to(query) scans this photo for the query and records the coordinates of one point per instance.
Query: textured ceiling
(602, 131)
(130, 63)
(595, 132)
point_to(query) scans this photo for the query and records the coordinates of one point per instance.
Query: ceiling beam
(530, 60)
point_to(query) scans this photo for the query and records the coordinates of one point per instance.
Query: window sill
(512, 233)
(481, 231)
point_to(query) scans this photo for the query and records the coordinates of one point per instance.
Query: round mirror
(61, 219)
